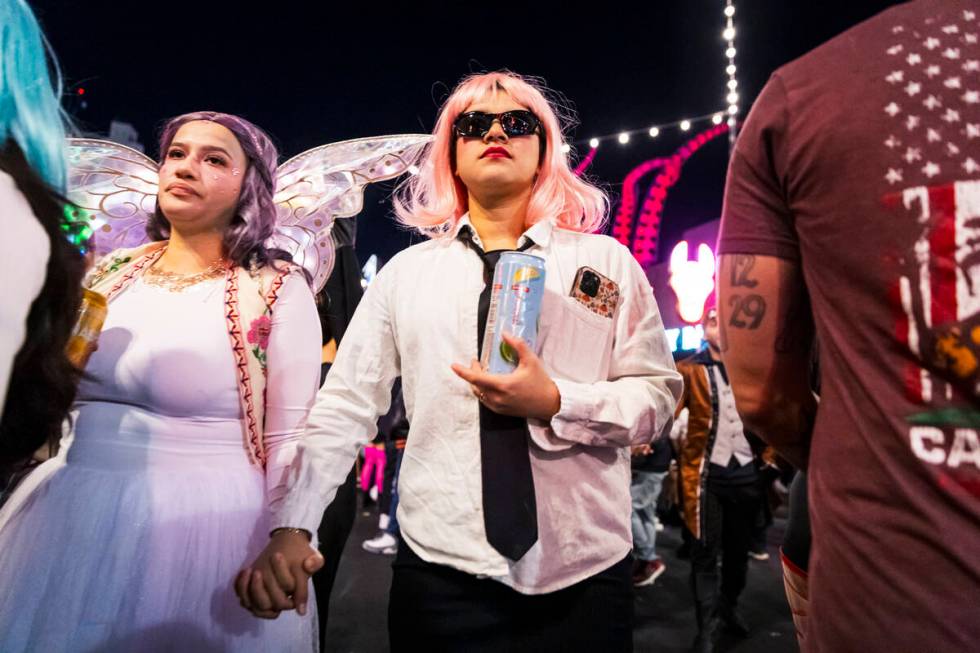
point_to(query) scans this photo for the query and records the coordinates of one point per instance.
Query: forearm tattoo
(741, 271)
(747, 310)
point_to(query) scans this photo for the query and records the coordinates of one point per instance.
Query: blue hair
(30, 112)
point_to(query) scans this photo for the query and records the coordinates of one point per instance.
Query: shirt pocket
(577, 347)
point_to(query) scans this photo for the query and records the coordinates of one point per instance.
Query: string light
(716, 118)
(653, 131)
(565, 148)
(728, 34)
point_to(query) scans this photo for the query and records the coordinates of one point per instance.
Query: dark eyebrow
(206, 148)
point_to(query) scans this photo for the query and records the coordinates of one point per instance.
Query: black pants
(731, 512)
(439, 609)
(335, 528)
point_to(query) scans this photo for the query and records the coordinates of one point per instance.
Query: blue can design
(515, 304)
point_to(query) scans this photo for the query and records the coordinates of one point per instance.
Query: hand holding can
(515, 305)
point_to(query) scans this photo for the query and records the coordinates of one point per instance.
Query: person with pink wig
(514, 489)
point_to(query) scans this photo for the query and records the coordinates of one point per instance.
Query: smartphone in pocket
(596, 292)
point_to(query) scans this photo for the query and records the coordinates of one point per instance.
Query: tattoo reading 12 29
(742, 265)
(750, 307)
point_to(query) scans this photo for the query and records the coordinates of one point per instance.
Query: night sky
(312, 73)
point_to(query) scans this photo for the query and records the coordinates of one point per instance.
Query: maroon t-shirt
(861, 161)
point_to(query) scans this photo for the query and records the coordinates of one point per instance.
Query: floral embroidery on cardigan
(107, 267)
(258, 337)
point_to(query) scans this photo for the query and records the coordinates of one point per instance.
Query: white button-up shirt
(616, 378)
(730, 437)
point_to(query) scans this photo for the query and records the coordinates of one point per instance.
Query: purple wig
(255, 216)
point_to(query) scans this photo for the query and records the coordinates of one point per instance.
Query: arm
(639, 397)
(280, 582)
(766, 339)
(345, 414)
(292, 377)
(343, 418)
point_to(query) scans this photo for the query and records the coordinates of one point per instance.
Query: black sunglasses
(476, 124)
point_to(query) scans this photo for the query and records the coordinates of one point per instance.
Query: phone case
(605, 301)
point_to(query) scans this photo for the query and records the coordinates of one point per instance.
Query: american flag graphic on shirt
(933, 155)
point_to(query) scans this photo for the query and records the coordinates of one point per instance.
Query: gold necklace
(175, 282)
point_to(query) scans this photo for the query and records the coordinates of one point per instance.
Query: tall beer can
(515, 304)
(85, 336)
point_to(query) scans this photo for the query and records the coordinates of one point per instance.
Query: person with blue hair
(42, 268)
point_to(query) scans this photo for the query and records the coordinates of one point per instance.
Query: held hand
(528, 391)
(279, 578)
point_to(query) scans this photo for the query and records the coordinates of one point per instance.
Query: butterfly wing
(116, 189)
(320, 185)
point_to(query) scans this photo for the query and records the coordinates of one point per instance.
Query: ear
(678, 257)
(706, 259)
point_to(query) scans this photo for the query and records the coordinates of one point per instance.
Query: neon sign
(687, 338)
(692, 281)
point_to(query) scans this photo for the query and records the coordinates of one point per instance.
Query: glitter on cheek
(235, 172)
(225, 184)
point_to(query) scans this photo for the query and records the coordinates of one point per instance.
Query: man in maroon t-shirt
(854, 197)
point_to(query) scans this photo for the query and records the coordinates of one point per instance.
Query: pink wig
(436, 197)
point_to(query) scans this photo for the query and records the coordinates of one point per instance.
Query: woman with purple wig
(186, 423)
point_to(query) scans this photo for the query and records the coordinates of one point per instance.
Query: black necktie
(510, 513)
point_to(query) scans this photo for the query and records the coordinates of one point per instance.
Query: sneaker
(648, 571)
(384, 544)
(761, 556)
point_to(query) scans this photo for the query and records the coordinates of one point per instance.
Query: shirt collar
(539, 232)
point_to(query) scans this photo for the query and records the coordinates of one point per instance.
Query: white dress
(130, 539)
